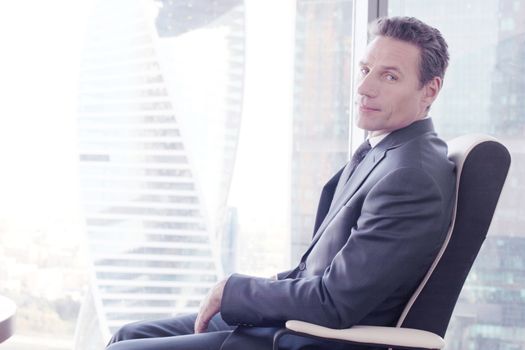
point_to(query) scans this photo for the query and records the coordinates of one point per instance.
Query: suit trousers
(174, 333)
(177, 334)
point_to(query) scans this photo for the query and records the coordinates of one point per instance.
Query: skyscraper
(483, 93)
(204, 72)
(491, 310)
(150, 234)
(323, 40)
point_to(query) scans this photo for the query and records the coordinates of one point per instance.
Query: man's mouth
(368, 108)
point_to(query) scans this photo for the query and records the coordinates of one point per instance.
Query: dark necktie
(359, 154)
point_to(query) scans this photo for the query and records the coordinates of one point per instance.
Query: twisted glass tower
(151, 215)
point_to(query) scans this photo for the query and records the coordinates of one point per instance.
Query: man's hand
(210, 306)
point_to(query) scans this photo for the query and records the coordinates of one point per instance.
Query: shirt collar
(374, 140)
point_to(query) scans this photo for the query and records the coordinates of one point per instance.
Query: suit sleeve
(396, 238)
(284, 274)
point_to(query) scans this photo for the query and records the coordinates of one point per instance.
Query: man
(380, 223)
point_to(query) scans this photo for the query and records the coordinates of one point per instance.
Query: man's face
(389, 96)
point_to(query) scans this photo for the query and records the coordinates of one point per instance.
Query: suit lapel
(359, 176)
(354, 183)
(378, 153)
(327, 196)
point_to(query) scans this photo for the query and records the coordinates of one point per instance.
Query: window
(149, 148)
(483, 93)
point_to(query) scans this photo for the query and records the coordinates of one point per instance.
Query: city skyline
(38, 141)
(481, 95)
(152, 246)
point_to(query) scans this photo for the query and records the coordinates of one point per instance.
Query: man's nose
(367, 86)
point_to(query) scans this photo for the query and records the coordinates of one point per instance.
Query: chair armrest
(372, 335)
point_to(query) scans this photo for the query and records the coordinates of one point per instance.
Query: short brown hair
(433, 47)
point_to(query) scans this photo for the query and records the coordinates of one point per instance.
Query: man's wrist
(219, 287)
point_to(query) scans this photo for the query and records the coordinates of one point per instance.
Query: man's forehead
(391, 53)
(387, 66)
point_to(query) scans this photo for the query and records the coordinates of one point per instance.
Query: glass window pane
(205, 137)
(160, 105)
(152, 146)
(321, 92)
(484, 93)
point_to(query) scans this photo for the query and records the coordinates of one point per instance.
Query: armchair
(482, 164)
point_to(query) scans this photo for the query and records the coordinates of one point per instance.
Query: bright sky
(41, 52)
(38, 82)
(262, 177)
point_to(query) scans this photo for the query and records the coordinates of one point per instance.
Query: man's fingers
(200, 326)
(198, 322)
(202, 321)
(196, 326)
(209, 307)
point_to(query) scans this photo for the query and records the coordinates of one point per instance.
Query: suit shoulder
(425, 156)
(427, 152)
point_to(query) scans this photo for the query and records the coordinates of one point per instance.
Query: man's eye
(364, 71)
(391, 77)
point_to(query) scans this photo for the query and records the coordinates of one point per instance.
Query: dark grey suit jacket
(368, 253)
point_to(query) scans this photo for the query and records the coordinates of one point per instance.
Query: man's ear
(432, 90)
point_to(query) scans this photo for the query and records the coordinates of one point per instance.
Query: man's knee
(179, 325)
(117, 346)
(135, 330)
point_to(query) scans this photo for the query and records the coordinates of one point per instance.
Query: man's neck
(375, 133)
(374, 137)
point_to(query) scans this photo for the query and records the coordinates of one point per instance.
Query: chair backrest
(482, 164)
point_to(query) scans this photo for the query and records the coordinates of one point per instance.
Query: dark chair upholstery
(482, 164)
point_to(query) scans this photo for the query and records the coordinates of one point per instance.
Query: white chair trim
(458, 150)
(390, 336)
